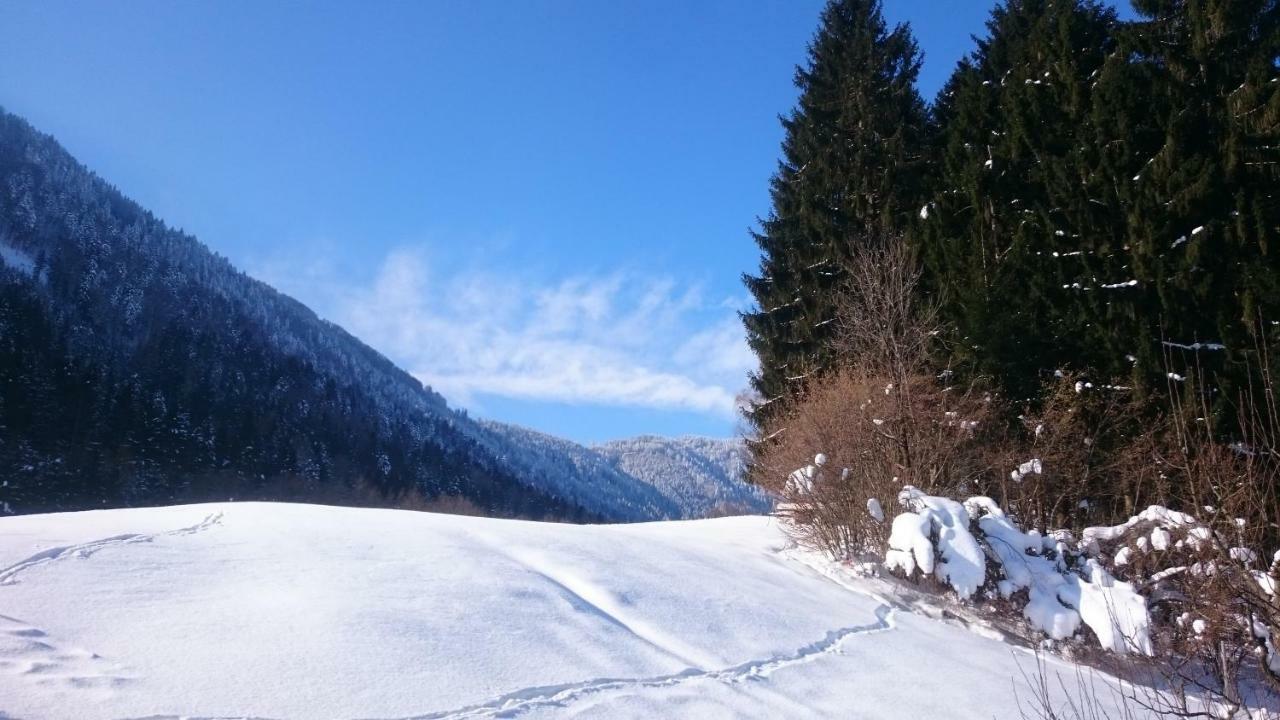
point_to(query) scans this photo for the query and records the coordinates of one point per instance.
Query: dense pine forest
(1083, 194)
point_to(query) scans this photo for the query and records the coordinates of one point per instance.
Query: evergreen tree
(1106, 191)
(1204, 221)
(851, 165)
(1018, 214)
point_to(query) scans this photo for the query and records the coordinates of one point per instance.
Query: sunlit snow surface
(297, 611)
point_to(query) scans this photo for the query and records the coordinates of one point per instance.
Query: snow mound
(941, 526)
(1163, 518)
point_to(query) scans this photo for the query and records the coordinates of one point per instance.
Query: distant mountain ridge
(137, 367)
(643, 478)
(704, 476)
(579, 472)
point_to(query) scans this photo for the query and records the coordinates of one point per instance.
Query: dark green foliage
(1105, 194)
(851, 164)
(1020, 213)
(1203, 212)
(1099, 196)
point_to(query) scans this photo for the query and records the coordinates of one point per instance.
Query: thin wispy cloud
(616, 339)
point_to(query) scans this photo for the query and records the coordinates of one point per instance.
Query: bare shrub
(1146, 691)
(728, 508)
(873, 445)
(445, 504)
(1221, 591)
(881, 326)
(884, 419)
(1090, 455)
(1208, 572)
(1084, 696)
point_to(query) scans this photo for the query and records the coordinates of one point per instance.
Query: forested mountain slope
(641, 478)
(579, 472)
(138, 367)
(703, 475)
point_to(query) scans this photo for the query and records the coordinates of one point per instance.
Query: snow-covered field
(298, 611)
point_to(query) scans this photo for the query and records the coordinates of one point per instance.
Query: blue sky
(539, 208)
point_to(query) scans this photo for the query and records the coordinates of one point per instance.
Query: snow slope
(298, 611)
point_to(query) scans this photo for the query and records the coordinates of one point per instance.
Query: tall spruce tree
(851, 166)
(1106, 191)
(1204, 214)
(1017, 216)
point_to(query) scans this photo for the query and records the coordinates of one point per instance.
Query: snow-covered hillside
(702, 475)
(564, 469)
(643, 478)
(297, 611)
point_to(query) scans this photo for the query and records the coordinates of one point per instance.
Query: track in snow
(8, 575)
(33, 654)
(518, 702)
(521, 701)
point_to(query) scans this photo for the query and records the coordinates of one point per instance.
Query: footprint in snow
(30, 654)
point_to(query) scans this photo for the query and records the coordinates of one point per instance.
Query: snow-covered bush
(974, 545)
(1214, 599)
(1187, 585)
(1161, 583)
(934, 537)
